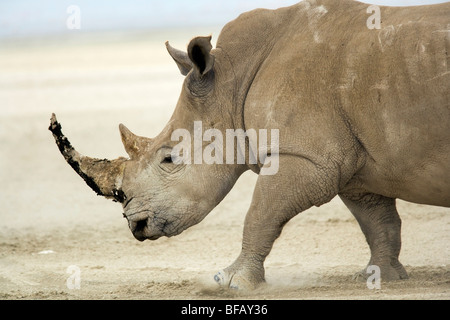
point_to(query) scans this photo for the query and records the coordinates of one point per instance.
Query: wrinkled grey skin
(363, 114)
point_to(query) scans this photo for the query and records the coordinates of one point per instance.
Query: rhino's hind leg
(381, 225)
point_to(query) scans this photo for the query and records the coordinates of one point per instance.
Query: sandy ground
(50, 220)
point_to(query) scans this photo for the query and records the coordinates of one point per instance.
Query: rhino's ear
(199, 51)
(181, 58)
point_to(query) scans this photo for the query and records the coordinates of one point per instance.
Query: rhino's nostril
(138, 228)
(140, 225)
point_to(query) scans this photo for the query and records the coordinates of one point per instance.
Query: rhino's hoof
(220, 278)
(224, 280)
(360, 276)
(234, 281)
(387, 273)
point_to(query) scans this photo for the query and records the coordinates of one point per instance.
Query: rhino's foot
(239, 279)
(388, 272)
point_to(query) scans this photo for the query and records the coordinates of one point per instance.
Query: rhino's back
(397, 99)
(321, 61)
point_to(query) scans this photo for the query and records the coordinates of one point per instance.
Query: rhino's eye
(167, 159)
(169, 162)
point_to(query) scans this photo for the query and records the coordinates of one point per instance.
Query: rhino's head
(162, 196)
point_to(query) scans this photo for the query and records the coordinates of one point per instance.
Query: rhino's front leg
(296, 187)
(262, 226)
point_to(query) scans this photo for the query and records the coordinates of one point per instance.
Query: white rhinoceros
(359, 111)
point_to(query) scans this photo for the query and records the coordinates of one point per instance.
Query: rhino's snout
(142, 231)
(143, 227)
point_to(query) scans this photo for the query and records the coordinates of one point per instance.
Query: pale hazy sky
(36, 17)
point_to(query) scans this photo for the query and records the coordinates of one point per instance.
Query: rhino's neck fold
(247, 42)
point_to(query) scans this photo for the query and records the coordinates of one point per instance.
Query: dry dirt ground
(50, 220)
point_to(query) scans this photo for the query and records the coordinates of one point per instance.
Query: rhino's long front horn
(103, 176)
